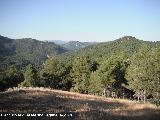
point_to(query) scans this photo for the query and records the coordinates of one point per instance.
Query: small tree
(112, 73)
(11, 77)
(95, 84)
(30, 76)
(81, 73)
(50, 73)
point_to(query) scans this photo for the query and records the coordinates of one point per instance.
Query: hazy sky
(83, 20)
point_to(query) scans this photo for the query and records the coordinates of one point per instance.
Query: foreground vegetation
(81, 106)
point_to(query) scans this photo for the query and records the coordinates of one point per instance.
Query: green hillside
(24, 51)
(127, 44)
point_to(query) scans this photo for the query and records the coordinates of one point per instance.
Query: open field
(80, 105)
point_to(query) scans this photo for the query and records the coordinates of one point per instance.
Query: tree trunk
(104, 92)
(144, 96)
(123, 93)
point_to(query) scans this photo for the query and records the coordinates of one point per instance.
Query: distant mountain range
(72, 45)
(76, 45)
(58, 42)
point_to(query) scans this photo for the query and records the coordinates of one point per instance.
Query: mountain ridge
(127, 44)
(26, 50)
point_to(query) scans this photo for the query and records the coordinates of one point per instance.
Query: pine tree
(143, 73)
(49, 73)
(112, 72)
(81, 73)
(95, 84)
(11, 77)
(30, 76)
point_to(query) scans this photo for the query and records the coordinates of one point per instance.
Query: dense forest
(25, 51)
(123, 68)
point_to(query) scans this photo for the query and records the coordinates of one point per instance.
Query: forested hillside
(26, 51)
(127, 44)
(124, 68)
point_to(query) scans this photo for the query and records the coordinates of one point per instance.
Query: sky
(80, 20)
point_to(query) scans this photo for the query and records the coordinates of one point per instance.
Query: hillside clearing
(81, 105)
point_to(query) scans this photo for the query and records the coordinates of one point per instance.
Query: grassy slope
(82, 106)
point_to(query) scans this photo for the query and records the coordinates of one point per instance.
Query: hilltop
(127, 44)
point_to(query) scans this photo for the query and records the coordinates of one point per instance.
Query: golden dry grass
(81, 105)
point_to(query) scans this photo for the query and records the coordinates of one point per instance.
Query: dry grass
(81, 105)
